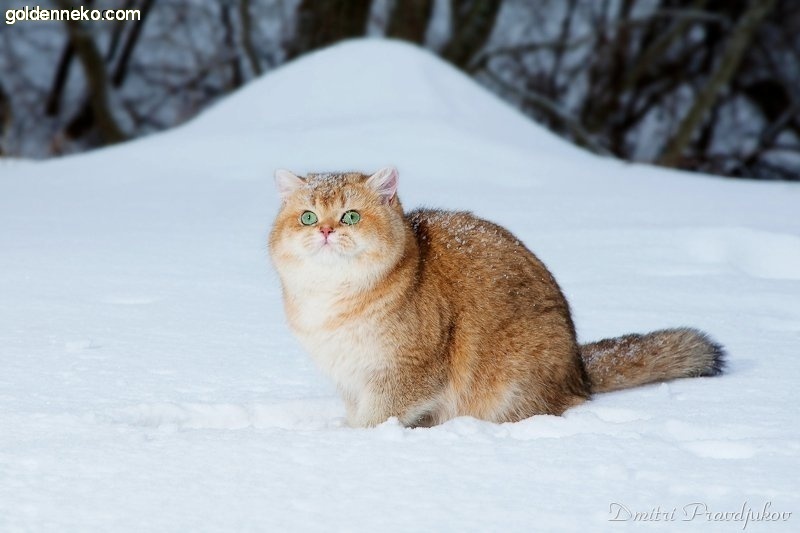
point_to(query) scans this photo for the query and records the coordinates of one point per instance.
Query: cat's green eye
(351, 217)
(308, 218)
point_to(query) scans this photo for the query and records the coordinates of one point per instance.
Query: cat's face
(337, 226)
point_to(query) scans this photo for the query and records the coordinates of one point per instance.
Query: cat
(430, 315)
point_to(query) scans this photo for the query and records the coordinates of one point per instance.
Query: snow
(148, 381)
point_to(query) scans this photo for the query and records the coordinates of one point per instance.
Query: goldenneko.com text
(38, 14)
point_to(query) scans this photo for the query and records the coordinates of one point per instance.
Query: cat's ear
(384, 182)
(287, 183)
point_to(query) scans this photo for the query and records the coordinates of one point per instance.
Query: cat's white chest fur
(352, 353)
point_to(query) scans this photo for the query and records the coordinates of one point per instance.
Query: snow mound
(361, 83)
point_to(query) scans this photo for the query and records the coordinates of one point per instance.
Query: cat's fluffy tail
(633, 360)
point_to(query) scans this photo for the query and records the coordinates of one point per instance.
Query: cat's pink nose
(326, 230)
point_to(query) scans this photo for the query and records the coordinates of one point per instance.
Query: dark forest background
(705, 85)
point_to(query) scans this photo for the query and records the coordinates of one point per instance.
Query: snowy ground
(148, 381)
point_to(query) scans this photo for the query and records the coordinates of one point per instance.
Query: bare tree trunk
(237, 78)
(116, 35)
(5, 118)
(247, 37)
(94, 69)
(121, 70)
(53, 105)
(773, 99)
(608, 83)
(731, 57)
(409, 20)
(473, 21)
(324, 23)
(560, 49)
(84, 120)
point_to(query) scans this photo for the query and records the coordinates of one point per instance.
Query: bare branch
(551, 108)
(732, 56)
(657, 48)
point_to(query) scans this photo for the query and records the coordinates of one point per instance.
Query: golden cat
(430, 315)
